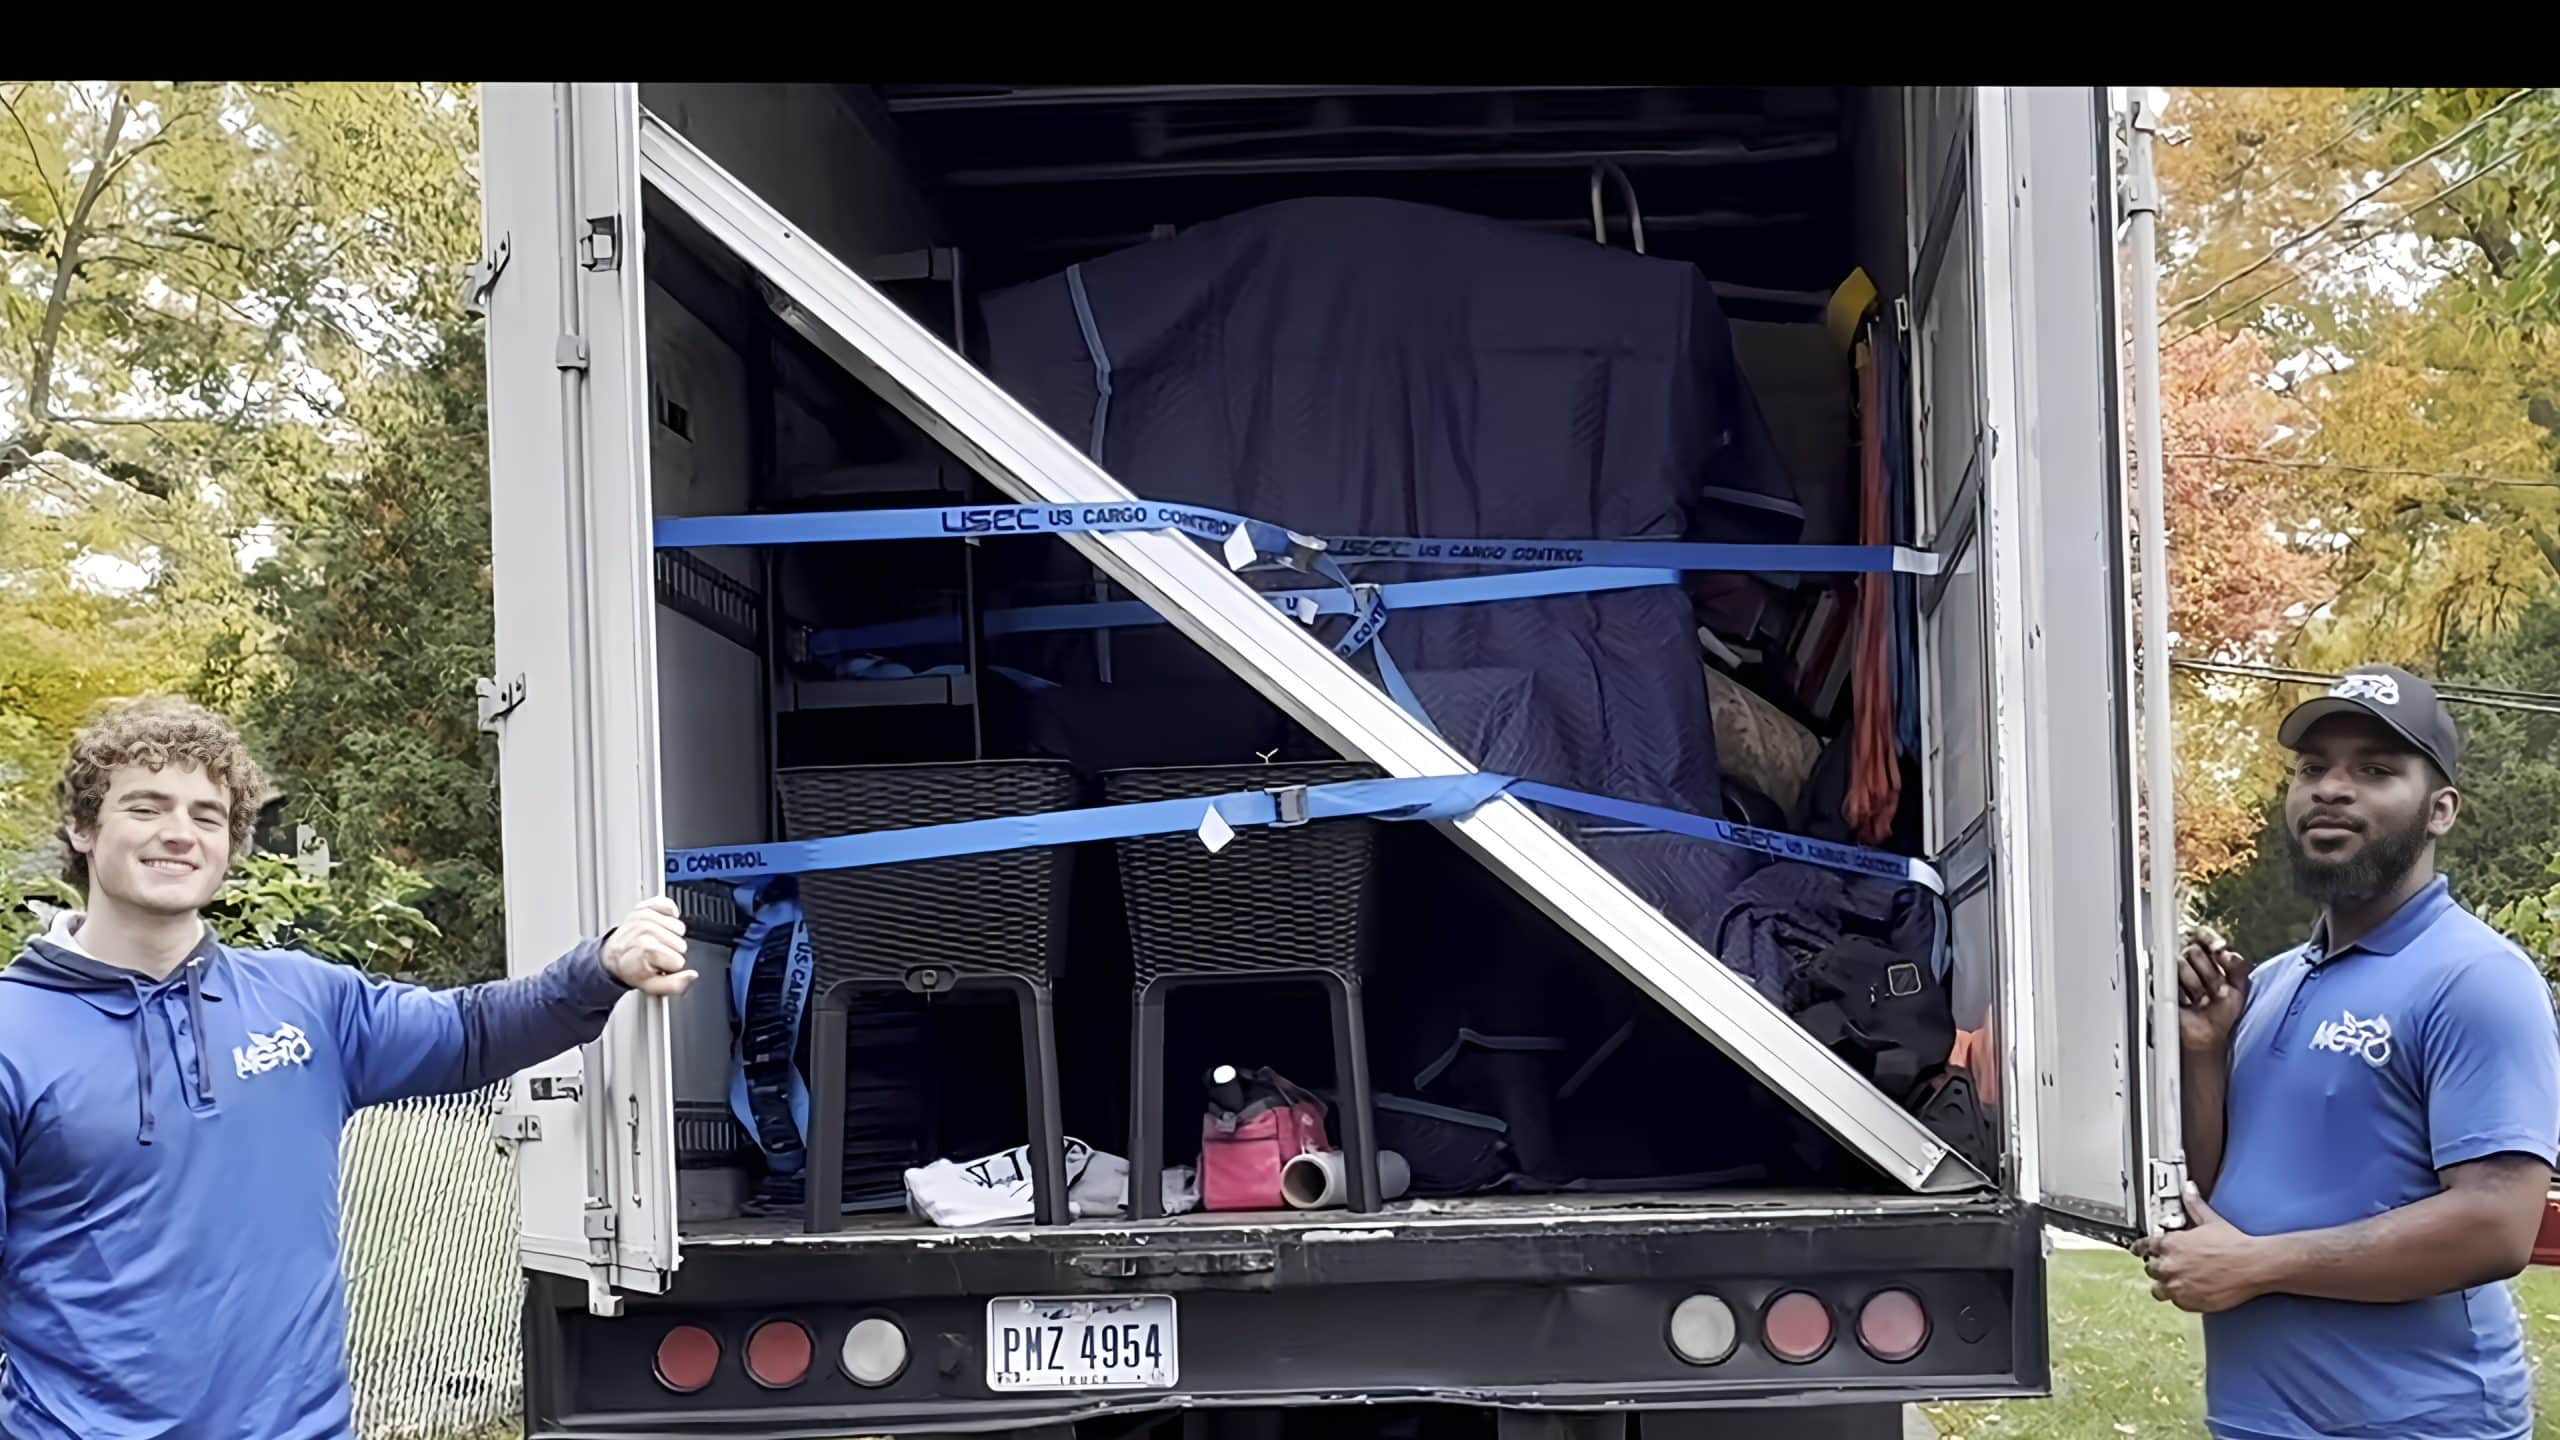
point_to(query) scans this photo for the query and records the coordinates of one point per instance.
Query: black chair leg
(1351, 1093)
(1146, 1105)
(822, 1162)
(1040, 1095)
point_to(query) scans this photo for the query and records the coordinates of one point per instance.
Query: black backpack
(1886, 1014)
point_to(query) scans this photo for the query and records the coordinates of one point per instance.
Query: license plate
(1125, 1342)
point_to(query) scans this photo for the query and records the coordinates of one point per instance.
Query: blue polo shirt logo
(2348, 1035)
(287, 1046)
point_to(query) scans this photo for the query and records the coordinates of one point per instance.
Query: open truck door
(577, 722)
(2021, 442)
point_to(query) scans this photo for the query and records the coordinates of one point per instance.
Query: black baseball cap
(2409, 705)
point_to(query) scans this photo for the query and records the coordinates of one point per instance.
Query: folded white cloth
(994, 1189)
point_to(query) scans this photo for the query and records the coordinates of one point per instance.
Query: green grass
(2125, 1364)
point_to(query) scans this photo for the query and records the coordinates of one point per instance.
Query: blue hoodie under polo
(169, 1173)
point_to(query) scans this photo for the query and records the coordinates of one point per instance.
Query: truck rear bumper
(1513, 1313)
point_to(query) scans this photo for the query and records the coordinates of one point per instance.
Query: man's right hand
(2213, 988)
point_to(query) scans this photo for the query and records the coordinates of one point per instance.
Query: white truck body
(2008, 241)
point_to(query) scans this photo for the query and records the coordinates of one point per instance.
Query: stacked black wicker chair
(1273, 904)
(931, 927)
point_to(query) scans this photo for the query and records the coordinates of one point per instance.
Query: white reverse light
(875, 1352)
(1703, 1330)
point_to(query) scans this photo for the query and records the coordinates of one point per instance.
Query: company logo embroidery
(2368, 687)
(2351, 1036)
(288, 1046)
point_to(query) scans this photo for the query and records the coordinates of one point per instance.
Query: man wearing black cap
(2374, 1114)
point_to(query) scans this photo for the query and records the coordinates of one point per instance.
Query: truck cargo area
(1726, 957)
(1051, 234)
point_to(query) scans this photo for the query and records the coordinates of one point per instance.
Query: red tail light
(1796, 1327)
(778, 1354)
(688, 1357)
(1893, 1326)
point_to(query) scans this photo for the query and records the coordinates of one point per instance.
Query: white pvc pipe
(1315, 1180)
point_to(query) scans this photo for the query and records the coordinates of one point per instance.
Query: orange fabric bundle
(1875, 771)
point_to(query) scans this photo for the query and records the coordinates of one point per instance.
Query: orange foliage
(2240, 576)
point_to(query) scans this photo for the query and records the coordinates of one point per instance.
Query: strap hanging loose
(769, 988)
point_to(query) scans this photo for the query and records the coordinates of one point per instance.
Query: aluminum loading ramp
(1192, 589)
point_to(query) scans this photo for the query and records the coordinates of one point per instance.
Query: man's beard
(2372, 870)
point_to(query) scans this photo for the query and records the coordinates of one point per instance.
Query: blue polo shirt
(2355, 1078)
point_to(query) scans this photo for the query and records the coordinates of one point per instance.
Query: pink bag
(1241, 1156)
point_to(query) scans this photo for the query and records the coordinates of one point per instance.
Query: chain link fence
(427, 1217)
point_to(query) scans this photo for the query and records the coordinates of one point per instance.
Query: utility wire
(2295, 277)
(2341, 213)
(2489, 696)
(2364, 115)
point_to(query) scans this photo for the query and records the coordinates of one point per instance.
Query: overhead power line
(2492, 697)
(2293, 277)
(2341, 213)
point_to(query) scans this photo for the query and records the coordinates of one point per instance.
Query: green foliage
(271, 903)
(358, 917)
(2533, 921)
(19, 920)
(383, 609)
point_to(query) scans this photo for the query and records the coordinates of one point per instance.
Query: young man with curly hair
(170, 1108)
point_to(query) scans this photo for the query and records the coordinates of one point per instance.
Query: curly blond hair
(154, 731)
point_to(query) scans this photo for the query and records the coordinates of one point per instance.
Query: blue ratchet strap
(1105, 517)
(1437, 797)
(1663, 554)
(769, 988)
(954, 522)
(1831, 854)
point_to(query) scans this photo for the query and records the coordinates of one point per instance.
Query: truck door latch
(601, 247)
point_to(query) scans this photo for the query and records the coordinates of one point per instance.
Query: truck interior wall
(837, 171)
(710, 704)
(808, 150)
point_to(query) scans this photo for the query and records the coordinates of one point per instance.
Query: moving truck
(738, 300)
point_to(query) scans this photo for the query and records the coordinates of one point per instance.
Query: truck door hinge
(601, 247)
(497, 702)
(510, 1127)
(555, 1087)
(482, 278)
